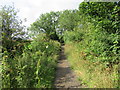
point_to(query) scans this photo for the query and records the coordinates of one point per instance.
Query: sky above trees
(31, 9)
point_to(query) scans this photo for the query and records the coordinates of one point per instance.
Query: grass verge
(94, 75)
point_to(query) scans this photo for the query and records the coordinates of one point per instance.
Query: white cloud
(31, 9)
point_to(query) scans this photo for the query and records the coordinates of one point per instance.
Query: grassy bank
(94, 75)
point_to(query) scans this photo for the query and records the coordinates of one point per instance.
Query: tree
(47, 23)
(68, 20)
(11, 26)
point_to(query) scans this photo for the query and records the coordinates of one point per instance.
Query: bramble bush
(34, 68)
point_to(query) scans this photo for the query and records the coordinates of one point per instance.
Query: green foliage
(99, 46)
(35, 68)
(11, 26)
(91, 74)
(46, 23)
(103, 39)
(55, 23)
(93, 31)
(67, 20)
(72, 36)
(107, 18)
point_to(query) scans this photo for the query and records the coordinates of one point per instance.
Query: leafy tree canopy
(11, 26)
(46, 23)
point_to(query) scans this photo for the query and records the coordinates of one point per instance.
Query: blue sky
(31, 9)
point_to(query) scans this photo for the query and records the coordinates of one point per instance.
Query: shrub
(35, 68)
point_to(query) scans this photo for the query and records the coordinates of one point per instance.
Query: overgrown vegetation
(95, 52)
(92, 43)
(26, 63)
(35, 68)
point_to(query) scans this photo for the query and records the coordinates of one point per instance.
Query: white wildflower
(47, 46)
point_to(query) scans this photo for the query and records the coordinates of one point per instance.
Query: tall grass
(94, 75)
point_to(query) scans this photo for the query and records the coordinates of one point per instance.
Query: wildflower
(47, 46)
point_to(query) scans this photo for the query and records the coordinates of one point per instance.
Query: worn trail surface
(65, 77)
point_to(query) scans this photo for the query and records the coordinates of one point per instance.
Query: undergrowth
(94, 54)
(34, 68)
(94, 75)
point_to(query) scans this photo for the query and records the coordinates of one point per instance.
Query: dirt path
(65, 77)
